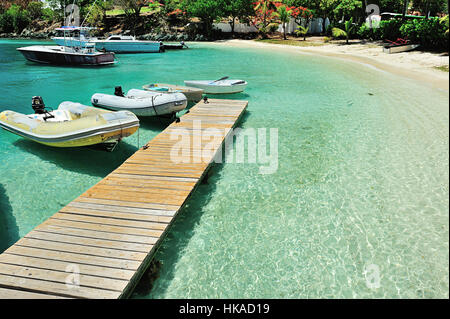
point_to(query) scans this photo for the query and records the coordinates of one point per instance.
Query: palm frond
(338, 33)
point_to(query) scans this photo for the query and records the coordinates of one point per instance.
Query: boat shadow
(68, 66)
(154, 123)
(163, 265)
(85, 160)
(9, 232)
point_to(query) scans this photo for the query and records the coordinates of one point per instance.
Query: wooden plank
(96, 235)
(115, 214)
(81, 249)
(122, 209)
(74, 258)
(105, 228)
(163, 208)
(37, 262)
(56, 288)
(111, 221)
(62, 276)
(20, 294)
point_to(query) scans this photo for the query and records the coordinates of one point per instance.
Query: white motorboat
(140, 102)
(127, 44)
(220, 86)
(61, 55)
(71, 125)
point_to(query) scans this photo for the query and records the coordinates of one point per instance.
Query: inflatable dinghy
(141, 103)
(71, 125)
(192, 94)
(220, 86)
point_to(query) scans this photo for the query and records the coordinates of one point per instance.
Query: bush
(6, 22)
(49, 15)
(35, 9)
(14, 20)
(430, 33)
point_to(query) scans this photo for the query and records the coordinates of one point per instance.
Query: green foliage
(348, 8)
(283, 15)
(347, 32)
(49, 15)
(430, 33)
(15, 19)
(207, 11)
(6, 22)
(302, 31)
(238, 9)
(444, 21)
(35, 9)
(389, 29)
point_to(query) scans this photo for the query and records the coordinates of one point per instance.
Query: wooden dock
(99, 245)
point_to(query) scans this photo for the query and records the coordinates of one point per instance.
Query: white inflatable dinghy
(220, 86)
(140, 102)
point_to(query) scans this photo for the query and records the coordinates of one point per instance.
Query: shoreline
(415, 65)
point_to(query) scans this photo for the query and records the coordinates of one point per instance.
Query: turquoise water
(362, 179)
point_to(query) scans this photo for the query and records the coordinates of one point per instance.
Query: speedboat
(51, 54)
(141, 103)
(192, 94)
(71, 125)
(220, 86)
(127, 44)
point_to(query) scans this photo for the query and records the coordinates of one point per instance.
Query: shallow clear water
(362, 179)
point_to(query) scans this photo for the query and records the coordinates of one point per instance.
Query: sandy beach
(417, 65)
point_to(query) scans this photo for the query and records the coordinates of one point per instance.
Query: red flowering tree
(264, 18)
(301, 14)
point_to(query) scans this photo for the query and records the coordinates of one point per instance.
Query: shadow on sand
(9, 232)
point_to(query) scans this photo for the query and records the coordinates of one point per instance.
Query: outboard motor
(118, 91)
(37, 103)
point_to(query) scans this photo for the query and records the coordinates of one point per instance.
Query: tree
(431, 6)
(284, 15)
(301, 14)
(348, 8)
(97, 12)
(207, 11)
(132, 7)
(35, 9)
(264, 17)
(348, 27)
(238, 9)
